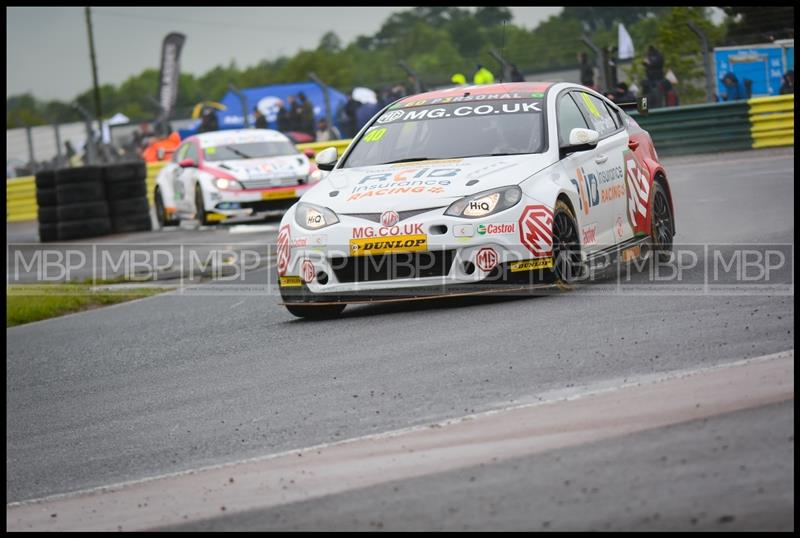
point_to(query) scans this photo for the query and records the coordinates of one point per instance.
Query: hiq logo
(588, 193)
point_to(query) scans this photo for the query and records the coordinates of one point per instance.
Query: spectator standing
(788, 83)
(459, 79)
(261, 119)
(734, 90)
(482, 75)
(209, 122)
(284, 119)
(294, 114)
(653, 65)
(306, 114)
(327, 133)
(350, 116)
(622, 93)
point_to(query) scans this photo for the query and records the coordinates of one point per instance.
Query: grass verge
(33, 302)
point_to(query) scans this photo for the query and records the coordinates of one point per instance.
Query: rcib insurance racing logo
(536, 230)
(389, 218)
(283, 250)
(486, 259)
(638, 186)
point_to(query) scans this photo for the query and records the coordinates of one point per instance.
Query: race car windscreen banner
(170, 70)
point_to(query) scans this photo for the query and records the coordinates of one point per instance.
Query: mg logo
(486, 259)
(283, 250)
(389, 218)
(536, 230)
(307, 271)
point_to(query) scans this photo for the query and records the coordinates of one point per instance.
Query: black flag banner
(170, 69)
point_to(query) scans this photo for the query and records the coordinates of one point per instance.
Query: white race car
(228, 174)
(520, 182)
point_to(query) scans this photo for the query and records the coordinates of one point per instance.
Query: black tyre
(79, 229)
(83, 174)
(200, 207)
(46, 197)
(47, 215)
(131, 223)
(567, 263)
(48, 232)
(46, 179)
(662, 227)
(129, 207)
(87, 210)
(118, 190)
(80, 192)
(164, 220)
(133, 171)
(316, 312)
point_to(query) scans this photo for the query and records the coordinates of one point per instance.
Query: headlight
(485, 203)
(226, 184)
(314, 217)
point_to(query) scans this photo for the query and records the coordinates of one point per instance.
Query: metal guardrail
(772, 121)
(21, 191)
(760, 122)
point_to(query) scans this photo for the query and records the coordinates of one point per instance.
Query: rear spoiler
(640, 105)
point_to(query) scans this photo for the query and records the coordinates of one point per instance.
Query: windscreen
(442, 131)
(249, 150)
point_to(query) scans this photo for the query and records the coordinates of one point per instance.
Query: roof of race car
(238, 136)
(500, 89)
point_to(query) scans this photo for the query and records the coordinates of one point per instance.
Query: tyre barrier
(47, 205)
(82, 208)
(92, 201)
(126, 192)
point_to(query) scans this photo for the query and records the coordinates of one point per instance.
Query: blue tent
(268, 99)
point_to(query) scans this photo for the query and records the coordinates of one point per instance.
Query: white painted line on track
(488, 437)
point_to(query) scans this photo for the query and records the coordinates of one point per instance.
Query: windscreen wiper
(237, 152)
(412, 159)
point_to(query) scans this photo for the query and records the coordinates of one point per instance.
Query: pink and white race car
(229, 174)
(478, 185)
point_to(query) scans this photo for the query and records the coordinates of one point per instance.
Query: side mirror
(187, 163)
(580, 140)
(326, 159)
(309, 153)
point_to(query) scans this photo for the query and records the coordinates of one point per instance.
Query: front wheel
(164, 220)
(200, 207)
(662, 227)
(567, 263)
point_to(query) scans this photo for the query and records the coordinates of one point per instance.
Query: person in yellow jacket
(482, 76)
(458, 79)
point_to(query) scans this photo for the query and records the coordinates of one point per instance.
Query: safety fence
(761, 122)
(755, 123)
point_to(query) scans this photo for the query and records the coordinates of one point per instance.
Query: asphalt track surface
(182, 381)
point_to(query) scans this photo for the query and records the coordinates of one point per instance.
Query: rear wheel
(567, 263)
(662, 227)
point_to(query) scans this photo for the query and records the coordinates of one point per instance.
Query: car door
(607, 168)
(580, 167)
